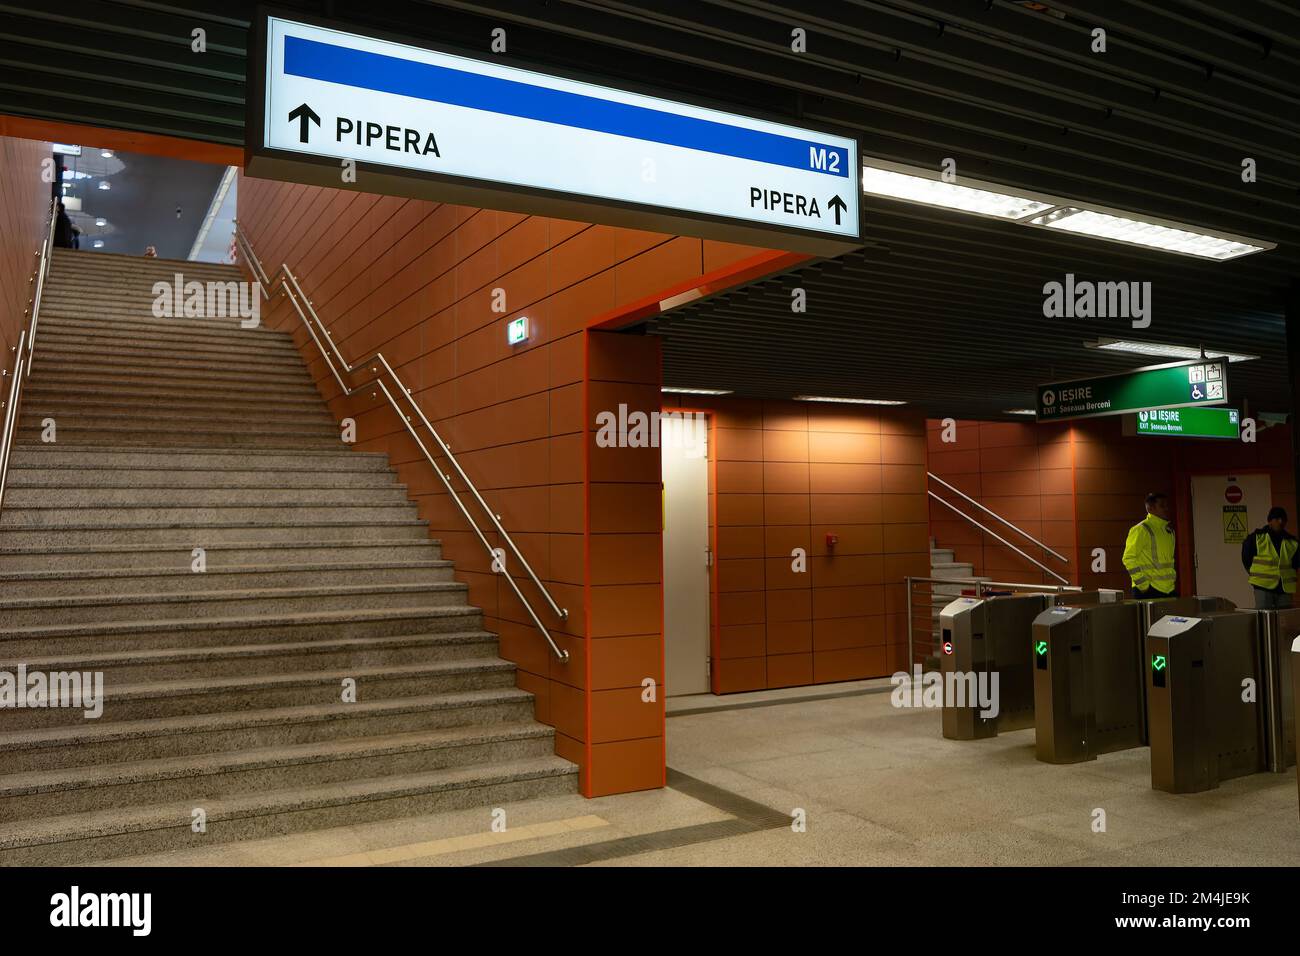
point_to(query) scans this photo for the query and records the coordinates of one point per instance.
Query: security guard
(1271, 556)
(1149, 551)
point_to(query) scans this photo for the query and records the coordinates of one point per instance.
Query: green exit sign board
(1189, 422)
(1179, 385)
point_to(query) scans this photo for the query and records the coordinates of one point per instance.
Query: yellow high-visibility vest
(1270, 567)
(1149, 555)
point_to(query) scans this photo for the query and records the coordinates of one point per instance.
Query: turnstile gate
(1089, 690)
(986, 660)
(1205, 723)
(1280, 631)
(1295, 693)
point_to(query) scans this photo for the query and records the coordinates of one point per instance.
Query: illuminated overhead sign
(1178, 385)
(1187, 422)
(452, 127)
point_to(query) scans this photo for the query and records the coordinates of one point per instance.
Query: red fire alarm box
(832, 539)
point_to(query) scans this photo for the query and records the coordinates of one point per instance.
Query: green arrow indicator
(1041, 647)
(1158, 662)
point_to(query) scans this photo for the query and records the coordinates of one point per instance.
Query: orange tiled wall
(786, 475)
(1079, 487)
(416, 280)
(24, 203)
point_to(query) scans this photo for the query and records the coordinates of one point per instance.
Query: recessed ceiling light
(104, 184)
(1165, 350)
(695, 391)
(99, 243)
(847, 401)
(101, 222)
(1028, 208)
(107, 154)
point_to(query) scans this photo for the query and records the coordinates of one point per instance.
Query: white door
(684, 452)
(1225, 509)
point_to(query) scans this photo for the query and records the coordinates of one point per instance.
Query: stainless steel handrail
(23, 351)
(292, 290)
(998, 537)
(999, 517)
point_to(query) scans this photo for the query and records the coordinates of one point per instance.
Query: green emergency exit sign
(1180, 385)
(1189, 422)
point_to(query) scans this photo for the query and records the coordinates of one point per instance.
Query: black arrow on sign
(304, 114)
(839, 206)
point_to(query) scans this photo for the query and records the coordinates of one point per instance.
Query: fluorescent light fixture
(1164, 350)
(63, 149)
(98, 243)
(935, 192)
(695, 391)
(106, 153)
(104, 184)
(926, 186)
(1140, 232)
(847, 401)
(1019, 411)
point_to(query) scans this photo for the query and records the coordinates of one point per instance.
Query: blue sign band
(389, 74)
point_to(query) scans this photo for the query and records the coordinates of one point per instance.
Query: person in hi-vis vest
(1149, 551)
(1270, 556)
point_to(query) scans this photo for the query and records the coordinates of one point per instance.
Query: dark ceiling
(941, 309)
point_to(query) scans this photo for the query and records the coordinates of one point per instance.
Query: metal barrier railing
(993, 534)
(974, 587)
(378, 365)
(23, 352)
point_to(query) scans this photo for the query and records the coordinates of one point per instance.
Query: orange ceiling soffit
(728, 277)
(123, 140)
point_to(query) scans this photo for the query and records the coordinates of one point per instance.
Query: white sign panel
(334, 94)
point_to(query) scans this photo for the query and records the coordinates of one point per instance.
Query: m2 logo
(819, 158)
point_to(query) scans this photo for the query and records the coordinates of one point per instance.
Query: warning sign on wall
(1234, 524)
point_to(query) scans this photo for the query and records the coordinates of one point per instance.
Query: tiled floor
(878, 786)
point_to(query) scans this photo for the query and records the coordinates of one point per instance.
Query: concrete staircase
(223, 689)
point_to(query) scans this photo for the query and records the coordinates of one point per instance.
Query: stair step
(166, 332)
(77, 560)
(95, 742)
(197, 517)
(173, 664)
(19, 643)
(179, 576)
(208, 776)
(79, 348)
(135, 497)
(68, 455)
(108, 833)
(209, 534)
(50, 479)
(178, 697)
(192, 605)
(149, 415)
